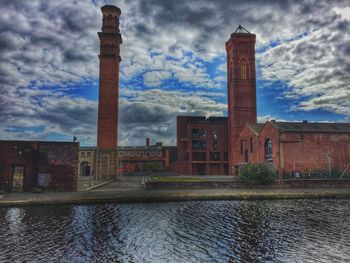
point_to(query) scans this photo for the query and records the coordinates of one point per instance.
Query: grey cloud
(140, 113)
(153, 113)
(52, 42)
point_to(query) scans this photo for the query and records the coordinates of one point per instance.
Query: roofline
(37, 141)
(275, 125)
(254, 131)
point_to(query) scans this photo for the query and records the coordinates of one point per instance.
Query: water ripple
(211, 231)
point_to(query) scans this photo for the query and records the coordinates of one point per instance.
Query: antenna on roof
(241, 29)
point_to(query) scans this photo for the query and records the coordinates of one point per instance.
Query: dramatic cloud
(316, 68)
(173, 63)
(153, 113)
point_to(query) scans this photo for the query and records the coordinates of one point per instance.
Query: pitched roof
(256, 127)
(316, 127)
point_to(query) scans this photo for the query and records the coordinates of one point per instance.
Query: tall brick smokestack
(110, 40)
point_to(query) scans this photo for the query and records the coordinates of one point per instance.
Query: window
(82, 154)
(121, 153)
(144, 153)
(241, 146)
(244, 69)
(88, 154)
(132, 153)
(199, 134)
(199, 145)
(138, 153)
(215, 156)
(268, 150)
(251, 144)
(159, 153)
(214, 137)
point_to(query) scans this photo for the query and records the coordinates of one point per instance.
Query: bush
(153, 167)
(258, 173)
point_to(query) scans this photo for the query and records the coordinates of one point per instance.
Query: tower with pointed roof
(241, 88)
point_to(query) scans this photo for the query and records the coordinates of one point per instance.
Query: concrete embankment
(142, 195)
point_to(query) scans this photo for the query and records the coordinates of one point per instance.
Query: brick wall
(208, 160)
(247, 137)
(59, 159)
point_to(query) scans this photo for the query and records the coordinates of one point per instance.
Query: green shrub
(153, 167)
(258, 173)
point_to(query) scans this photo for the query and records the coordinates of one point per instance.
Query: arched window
(268, 150)
(244, 69)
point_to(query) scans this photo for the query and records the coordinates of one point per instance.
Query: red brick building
(292, 148)
(142, 159)
(295, 148)
(201, 145)
(131, 159)
(241, 88)
(28, 164)
(249, 143)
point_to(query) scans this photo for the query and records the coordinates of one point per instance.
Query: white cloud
(315, 67)
(343, 12)
(155, 78)
(52, 43)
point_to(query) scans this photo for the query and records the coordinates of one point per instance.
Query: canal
(203, 231)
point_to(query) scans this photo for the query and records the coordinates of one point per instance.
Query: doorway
(246, 159)
(17, 178)
(84, 168)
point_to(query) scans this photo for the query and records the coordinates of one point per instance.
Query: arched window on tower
(243, 69)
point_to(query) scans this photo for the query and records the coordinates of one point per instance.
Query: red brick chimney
(110, 40)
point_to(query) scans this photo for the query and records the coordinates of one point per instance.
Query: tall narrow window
(268, 150)
(214, 139)
(251, 144)
(241, 146)
(244, 67)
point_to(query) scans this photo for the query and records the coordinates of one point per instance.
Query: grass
(176, 179)
(170, 179)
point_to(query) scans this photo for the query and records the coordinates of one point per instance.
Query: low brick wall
(300, 183)
(58, 161)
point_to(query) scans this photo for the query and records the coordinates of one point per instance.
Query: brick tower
(241, 88)
(110, 40)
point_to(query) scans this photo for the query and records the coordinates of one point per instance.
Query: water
(211, 231)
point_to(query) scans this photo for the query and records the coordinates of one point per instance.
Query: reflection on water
(212, 231)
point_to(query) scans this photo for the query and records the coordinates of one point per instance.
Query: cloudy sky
(173, 63)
